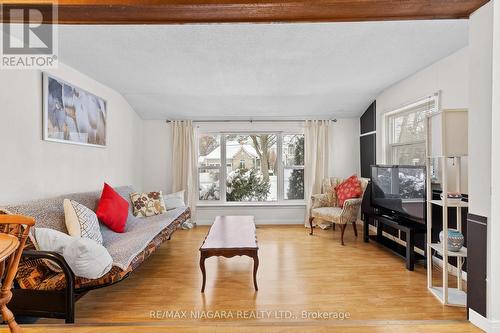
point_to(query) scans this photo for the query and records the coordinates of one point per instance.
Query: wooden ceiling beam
(228, 11)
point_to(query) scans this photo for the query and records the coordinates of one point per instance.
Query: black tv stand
(408, 227)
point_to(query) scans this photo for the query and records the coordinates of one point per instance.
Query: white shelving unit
(445, 140)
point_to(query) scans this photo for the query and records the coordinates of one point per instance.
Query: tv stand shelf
(408, 227)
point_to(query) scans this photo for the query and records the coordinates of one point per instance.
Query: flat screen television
(399, 191)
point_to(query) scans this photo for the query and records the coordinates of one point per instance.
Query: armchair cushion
(330, 214)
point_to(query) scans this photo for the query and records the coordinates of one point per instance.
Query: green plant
(246, 185)
(296, 180)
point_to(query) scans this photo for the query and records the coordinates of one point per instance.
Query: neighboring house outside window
(255, 171)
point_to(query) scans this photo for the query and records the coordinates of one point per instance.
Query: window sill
(252, 204)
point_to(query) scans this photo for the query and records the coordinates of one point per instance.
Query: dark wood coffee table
(230, 236)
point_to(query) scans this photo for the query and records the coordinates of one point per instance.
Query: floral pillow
(147, 204)
(348, 189)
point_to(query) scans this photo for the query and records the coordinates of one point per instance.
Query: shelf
(456, 297)
(445, 139)
(439, 248)
(450, 204)
(449, 156)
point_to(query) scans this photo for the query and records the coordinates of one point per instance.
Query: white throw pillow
(81, 221)
(174, 200)
(85, 257)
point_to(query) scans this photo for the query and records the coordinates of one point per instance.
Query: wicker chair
(16, 229)
(324, 206)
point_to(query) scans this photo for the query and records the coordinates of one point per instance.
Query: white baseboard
(485, 324)
(205, 215)
(258, 222)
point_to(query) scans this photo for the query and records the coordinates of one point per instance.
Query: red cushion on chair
(348, 189)
(112, 209)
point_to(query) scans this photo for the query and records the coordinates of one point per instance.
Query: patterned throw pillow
(348, 189)
(148, 204)
(81, 221)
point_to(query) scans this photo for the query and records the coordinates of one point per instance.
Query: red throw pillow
(112, 209)
(348, 189)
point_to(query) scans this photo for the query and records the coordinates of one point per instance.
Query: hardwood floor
(297, 273)
(416, 327)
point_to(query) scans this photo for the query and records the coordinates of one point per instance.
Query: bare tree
(263, 144)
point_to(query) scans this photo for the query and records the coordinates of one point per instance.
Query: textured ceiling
(256, 70)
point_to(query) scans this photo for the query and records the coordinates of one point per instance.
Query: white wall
(31, 168)
(157, 162)
(480, 83)
(494, 225)
(484, 143)
(450, 76)
(157, 156)
(344, 153)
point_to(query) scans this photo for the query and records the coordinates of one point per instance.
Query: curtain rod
(251, 121)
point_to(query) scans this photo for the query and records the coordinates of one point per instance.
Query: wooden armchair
(14, 230)
(324, 206)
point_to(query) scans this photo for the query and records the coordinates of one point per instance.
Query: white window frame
(389, 159)
(223, 172)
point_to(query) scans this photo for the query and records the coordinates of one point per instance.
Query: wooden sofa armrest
(69, 293)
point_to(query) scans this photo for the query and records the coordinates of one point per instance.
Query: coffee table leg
(255, 267)
(203, 273)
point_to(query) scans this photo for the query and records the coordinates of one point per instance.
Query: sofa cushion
(147, 204)
(86, 257)
(81, 221)
(112, 209)
(174, 200)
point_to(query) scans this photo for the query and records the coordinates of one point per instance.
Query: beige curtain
(184, 165)
(317, 143)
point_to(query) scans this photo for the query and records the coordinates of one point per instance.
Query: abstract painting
(72, 115)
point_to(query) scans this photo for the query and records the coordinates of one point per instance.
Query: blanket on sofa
(123, 247)
(138, 233)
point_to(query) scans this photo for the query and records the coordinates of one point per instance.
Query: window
(293, 161)
(260, 167)
(406, 132)
(209, 167)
